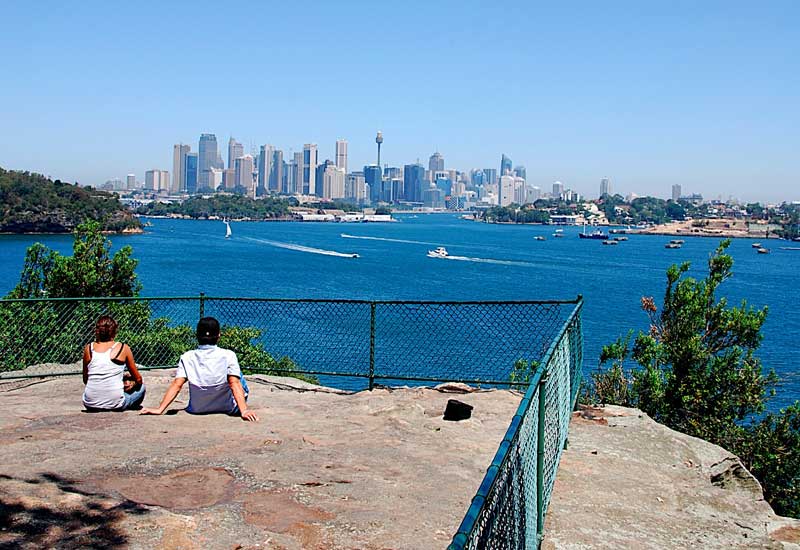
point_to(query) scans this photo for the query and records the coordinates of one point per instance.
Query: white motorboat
(440, 252)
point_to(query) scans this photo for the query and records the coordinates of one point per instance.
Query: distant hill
(32, 203)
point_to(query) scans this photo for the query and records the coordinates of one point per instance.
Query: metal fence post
(202, 305)
(371, 345)
(540, 451)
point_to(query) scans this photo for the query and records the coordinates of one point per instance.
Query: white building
(506, 190)
(235, 150)
(341, 154)
(309, 171)
(520, 192)
(355, 187)
(157, 180)
(333, 182)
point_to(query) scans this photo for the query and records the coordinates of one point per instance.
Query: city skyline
(700, 96)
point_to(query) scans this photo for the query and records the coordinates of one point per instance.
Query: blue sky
(704, 94)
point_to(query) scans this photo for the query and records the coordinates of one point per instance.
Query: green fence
(355, 344)
(509, 508)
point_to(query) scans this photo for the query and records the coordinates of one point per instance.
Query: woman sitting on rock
(104, 364)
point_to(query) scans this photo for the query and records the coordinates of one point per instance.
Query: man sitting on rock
(216, 384)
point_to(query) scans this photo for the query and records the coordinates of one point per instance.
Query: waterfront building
(130, 182)
(208, 158)
(179, 152)
(413, 182)
(506, 190)
(309, 169)
(235, 150)
(491, 176)
(341, 154)
(605, 188)
(676, 192)
(519, 171)
(505, 165)
(190, 177)
(243, 167)
(355, 187)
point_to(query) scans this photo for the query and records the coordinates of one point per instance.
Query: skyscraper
(558, 190)
(330, 181)
(208, 158)
(179, 152)
(491, 175)
(341, 154)
(235, 150)
(130, 182)
(373, 177)
(436, 162)
(243, 167)
(519, 171)
(604, 187)
(309, 169)
(506, 190)
(265, 160)
(191, 173)
(276, 177)
(505, 165)
(676, 191)
(355, 187)
(413, 182)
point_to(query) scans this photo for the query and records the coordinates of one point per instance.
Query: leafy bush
(696, 371)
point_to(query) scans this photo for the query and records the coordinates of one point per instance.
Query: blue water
(494, 262)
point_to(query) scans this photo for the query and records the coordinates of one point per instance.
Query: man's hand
(150, 411)
(249, 416)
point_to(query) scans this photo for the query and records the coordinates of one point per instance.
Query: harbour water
(488, 262)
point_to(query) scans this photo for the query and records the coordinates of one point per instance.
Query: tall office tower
(266, 157)
(320, 174)
(379, 141)
(520, 191)
(676, 191)
(341, 154)
(284, 177)
(243, 167)
(391, 172)
(179, 152)
(413, 182)
(228, 179)
(604, 187)
(309, 169)
(157, 181)
(208, 158)
(506, 190)
(296, 173)
(215, 178)
(534, 194)
(235, 150)
(355, 188)
(275, 176)
(436, 162)
(477, 178)
(372, 175)
(331, 181)
(558, 190)
(190, 177)
(519, 171)
(130, 182)
(491, 175)
(505, 165)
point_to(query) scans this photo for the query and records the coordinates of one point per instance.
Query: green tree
(90, 271)
(696, 371)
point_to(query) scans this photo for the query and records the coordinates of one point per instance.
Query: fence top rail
(479, 501)
(577, 300)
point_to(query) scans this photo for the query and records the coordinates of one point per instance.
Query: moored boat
(762, 250)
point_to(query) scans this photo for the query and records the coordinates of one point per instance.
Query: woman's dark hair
(105, 329)
(208, 330)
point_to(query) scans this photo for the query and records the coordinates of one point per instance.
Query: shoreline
(138, 231)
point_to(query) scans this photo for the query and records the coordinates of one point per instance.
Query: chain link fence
(509, 508)
(355, 344)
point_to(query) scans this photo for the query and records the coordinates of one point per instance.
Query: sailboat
(227, 229)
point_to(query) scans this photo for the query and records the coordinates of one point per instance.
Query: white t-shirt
(207, 369)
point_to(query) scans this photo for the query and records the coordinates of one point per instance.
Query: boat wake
(365, 238)
(489, 261)
(301, 248)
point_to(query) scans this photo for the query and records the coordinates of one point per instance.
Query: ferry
(440, 252)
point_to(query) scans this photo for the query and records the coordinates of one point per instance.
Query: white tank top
(104, 388)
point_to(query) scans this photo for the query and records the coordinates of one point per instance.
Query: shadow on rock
(51, 511)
